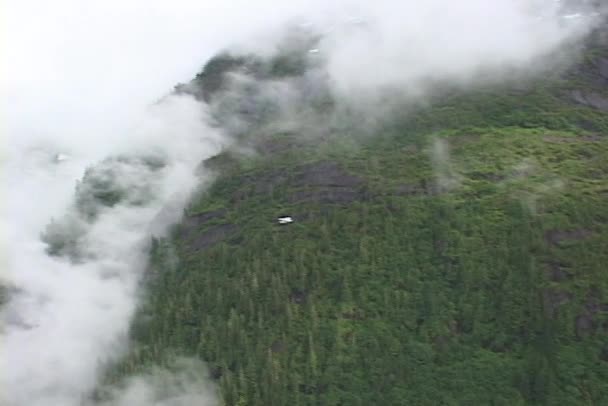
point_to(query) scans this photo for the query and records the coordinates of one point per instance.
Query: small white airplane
(285, 220)
(572, 16)
(58, 158)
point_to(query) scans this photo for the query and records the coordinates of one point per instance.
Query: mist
(69, 313)
(88, 83)
(410, 46)
(186, 383)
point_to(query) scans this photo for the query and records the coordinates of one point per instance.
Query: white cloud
(185, 384)
(66, 320)
(406, 44)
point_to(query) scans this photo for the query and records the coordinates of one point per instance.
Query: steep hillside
(452, 253)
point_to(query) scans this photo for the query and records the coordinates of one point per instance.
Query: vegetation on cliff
(456, 256)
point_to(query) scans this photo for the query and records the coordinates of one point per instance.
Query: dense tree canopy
(455, 257)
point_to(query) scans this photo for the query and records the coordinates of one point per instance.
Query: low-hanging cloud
(185, 383)
(79, 85)
(69, 312)
(381, 56)
(408, 44)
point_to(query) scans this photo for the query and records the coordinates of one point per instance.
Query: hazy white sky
(72, 65)
(87, 68)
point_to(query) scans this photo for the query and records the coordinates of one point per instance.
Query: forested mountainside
(452, 252)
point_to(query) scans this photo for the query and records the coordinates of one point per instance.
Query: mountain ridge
(455, 257)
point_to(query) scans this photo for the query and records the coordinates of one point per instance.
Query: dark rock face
(266, 183)
(199, 220)
(602, 67)
(553, 299)
(604, 354)
(320, 182)
(216, 373)
(192, 225)
(224, 162)
(592, 73)
(325, 182)
(584, 325)
(337, 195)
(588, 320)
(327, 174)
(590, 99)
(558, 272)
(557, 237)
(273, 147)
(408, 189)
(213, 235)
(298, 296)
(277, 346)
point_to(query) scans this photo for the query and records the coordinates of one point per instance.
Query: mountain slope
(457, 256)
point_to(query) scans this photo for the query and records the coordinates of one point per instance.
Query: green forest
(455, 256)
